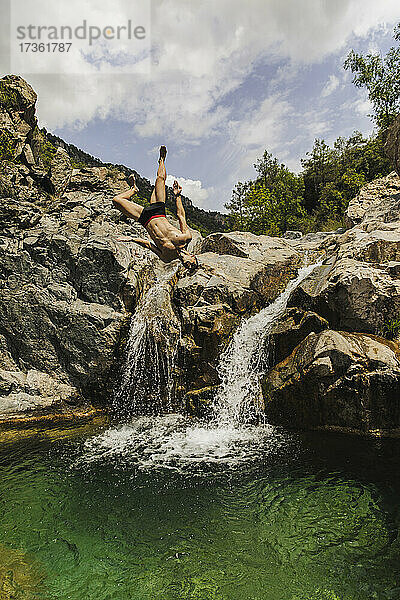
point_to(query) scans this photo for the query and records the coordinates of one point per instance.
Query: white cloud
(363, 106)
(192, 189)
(262, 127)
(202, 51)
(330, 86)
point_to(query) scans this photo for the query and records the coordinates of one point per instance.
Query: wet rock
(336, 380)
(20, 575)
(206, 330)
(242, 274)
(199, 402)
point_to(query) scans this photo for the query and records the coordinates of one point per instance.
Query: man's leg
(159, 193)
(129, 209)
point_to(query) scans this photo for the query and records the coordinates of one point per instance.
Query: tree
(316, 172)
(380, 76)
(237, 206)
(331, 203)
(268, 169)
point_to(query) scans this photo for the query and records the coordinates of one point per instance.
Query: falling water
(172, 441)
(147, 382)
(244, 361)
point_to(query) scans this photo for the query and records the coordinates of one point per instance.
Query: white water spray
(174, 442)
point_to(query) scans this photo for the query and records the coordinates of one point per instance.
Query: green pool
(166, 509)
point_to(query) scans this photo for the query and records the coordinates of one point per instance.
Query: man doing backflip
(168, 242)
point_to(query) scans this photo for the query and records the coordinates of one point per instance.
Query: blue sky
(227, 80)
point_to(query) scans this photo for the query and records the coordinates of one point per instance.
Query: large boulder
(239, 273)
(60, 171)
(351, 295)
(378, 201)
(359, 288)
(289, 330)
(336, 380)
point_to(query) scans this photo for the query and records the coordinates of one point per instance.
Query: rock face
(239, 274)
(345, 377)
(336, 380)
(360, 289)
(67, 288)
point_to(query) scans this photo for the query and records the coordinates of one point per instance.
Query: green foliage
(7, 146)
(278, 200)
(391, 328)
(47, 150)
(269, 205)
(380, 77)
(8, 98)
(332, 201)
(237, 206)
(315, 200)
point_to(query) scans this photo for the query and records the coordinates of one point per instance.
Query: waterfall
(146, 383)
(246, 359)
(172, 441)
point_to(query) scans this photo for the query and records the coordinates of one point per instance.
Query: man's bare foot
(163, 153)
(176, 188)
(132, 183)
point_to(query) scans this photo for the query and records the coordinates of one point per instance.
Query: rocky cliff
(68, 290)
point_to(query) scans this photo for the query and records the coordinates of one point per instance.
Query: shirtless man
(169, 243)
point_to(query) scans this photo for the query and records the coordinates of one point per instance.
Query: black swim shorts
(157, 209)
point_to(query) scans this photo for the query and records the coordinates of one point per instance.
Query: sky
(217, 81)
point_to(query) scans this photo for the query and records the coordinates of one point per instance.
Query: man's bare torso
(166, 237)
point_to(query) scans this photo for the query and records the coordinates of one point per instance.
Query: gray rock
(291, 329)
(67, 289)
(60, 171)
(292, 235)
(351, 295)
(378, 201)
(242, 274)
(336, 380)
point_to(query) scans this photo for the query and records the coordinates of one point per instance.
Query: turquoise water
(135, 513)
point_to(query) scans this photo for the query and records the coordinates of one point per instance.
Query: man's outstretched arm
(141, 242)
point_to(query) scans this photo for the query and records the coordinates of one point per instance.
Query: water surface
(169, 509)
